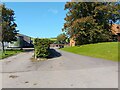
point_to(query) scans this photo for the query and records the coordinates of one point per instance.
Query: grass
(108, 50)
(9, 53)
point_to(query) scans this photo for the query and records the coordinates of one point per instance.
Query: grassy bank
(9, 53)
(108, 50)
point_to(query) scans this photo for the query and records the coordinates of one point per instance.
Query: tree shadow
(53, 54)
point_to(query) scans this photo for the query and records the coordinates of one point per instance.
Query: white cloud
(54, 11)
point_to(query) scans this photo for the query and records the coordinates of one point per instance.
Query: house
(116, 30)
(57, 45)
(72, 42)
(22, 41)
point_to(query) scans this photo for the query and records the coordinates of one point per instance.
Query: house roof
(25, 37)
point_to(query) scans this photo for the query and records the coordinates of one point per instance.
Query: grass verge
(108, 50)
(8, 53)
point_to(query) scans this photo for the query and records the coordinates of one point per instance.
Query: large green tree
(90, 22)
(8, 29)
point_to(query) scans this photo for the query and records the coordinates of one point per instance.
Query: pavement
(61, 70)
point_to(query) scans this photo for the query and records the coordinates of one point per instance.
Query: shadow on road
(53, 54)
(28, 49)
(24, 49)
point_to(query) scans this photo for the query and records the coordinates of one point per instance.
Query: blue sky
(39, 19)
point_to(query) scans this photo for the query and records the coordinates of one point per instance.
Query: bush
(42, 47)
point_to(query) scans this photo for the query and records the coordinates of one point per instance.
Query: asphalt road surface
(61, 70)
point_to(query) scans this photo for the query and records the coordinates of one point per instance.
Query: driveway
(61, 70)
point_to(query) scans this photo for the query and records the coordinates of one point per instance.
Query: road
(62, 70)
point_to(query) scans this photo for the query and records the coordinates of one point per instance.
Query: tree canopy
(62, 38)
(8, 30)
(90, 22)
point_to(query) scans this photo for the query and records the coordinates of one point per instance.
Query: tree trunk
(3, 48)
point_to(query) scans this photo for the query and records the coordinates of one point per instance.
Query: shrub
(41, 48)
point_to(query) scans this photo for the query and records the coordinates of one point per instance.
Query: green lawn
(9, 53)
(108, 50)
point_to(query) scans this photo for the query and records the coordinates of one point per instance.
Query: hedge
(42, 47)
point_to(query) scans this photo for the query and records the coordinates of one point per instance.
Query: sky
(39, 19)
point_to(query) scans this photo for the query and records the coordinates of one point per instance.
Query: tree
(42, 47)
(9, 31)
(61, 38)
(89, 22)
(0, 22)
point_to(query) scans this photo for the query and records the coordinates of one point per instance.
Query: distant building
(57, 45)
(116, 30)
(72, 41)
(22, 41)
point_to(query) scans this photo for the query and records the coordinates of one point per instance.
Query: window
(117, 27)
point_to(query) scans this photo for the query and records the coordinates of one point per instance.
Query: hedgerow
(42, 47)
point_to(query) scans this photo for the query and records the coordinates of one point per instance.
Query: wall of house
(116, 30)
(72, 42)
(22, 41)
